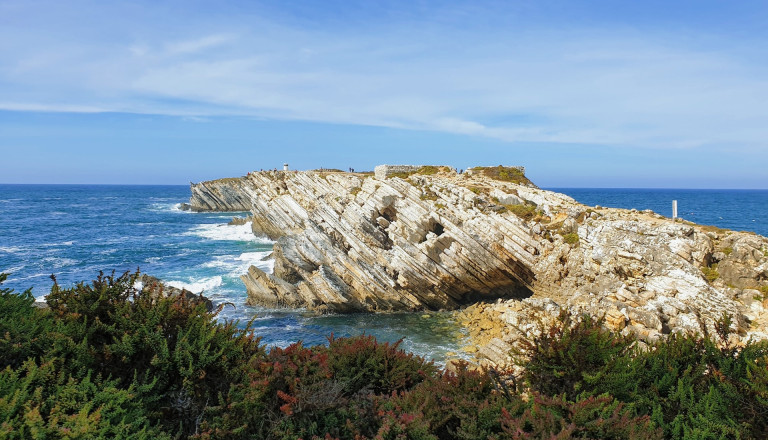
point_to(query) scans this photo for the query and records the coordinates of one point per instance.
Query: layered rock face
(439, 240)
(220, 195)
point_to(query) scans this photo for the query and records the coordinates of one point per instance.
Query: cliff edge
(429, 238)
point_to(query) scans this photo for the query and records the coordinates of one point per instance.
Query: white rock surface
(350, 242)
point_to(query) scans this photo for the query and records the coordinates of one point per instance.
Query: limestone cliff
(434, 239)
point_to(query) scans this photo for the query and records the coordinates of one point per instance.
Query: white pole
(674, 209)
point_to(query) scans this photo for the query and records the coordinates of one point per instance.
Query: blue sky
(591, 94)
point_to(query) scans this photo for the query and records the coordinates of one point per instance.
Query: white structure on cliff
(384, 171)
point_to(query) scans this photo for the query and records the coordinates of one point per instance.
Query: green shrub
(463, 404)
(571, 238)
(763, 293)
(108, 361)
(23, 328)
(575, 356)
(169, 353)
(38, 401)
(428, 170)
(710, 273)
(362, 363)
(687, 385)
(525, 211)
(402, 174)
(505, 174)
(428, 195)
(591, 417)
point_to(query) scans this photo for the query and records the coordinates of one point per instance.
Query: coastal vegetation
(504, 174)
(106, 359)
(526, 211)
(710, 272)
(571, 238)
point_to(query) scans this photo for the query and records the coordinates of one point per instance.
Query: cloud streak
(609, 86)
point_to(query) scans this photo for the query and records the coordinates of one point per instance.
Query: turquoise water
(73, 231)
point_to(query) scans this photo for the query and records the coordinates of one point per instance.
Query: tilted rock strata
(219, 195)
(349, 242)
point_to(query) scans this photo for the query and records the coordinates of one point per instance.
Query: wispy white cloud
(198, 44)
(50, 107)
(610, 86)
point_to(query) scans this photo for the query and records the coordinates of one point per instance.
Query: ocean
(74, 231)
(737, 209)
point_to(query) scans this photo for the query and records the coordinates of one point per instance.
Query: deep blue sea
(737, 209)
(73, 231)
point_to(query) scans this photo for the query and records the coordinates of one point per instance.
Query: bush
(692, 388)
(461, 404)
(576, 356)
(590, 417)
(109, 361)
(428, 170)
(504, 174)
(38, 401)
(168, 353)
(525, 211)
(571, 238)
(687, 385)
(23, 328)
(710, 272)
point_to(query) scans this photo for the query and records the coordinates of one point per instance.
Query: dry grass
(504, 174)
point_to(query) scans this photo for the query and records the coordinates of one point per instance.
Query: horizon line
(540, 187)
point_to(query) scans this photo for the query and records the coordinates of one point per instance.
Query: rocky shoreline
(434, 239)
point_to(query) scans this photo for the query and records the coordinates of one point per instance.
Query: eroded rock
(348, 242)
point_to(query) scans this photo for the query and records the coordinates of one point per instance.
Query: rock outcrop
(435, 239)
(230, 195)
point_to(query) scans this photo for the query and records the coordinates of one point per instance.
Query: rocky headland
(491, 243)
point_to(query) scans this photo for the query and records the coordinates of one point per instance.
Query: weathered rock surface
(219, 195)
(350, 242)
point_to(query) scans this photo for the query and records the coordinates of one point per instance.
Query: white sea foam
(197, 285)
(248, 259)
(10, 249)
(236, 266)
(12, 269)
(167, 207)
(58, 262)
(218, 231)
(63, 243)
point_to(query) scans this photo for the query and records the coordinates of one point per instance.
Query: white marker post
(674, 210)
